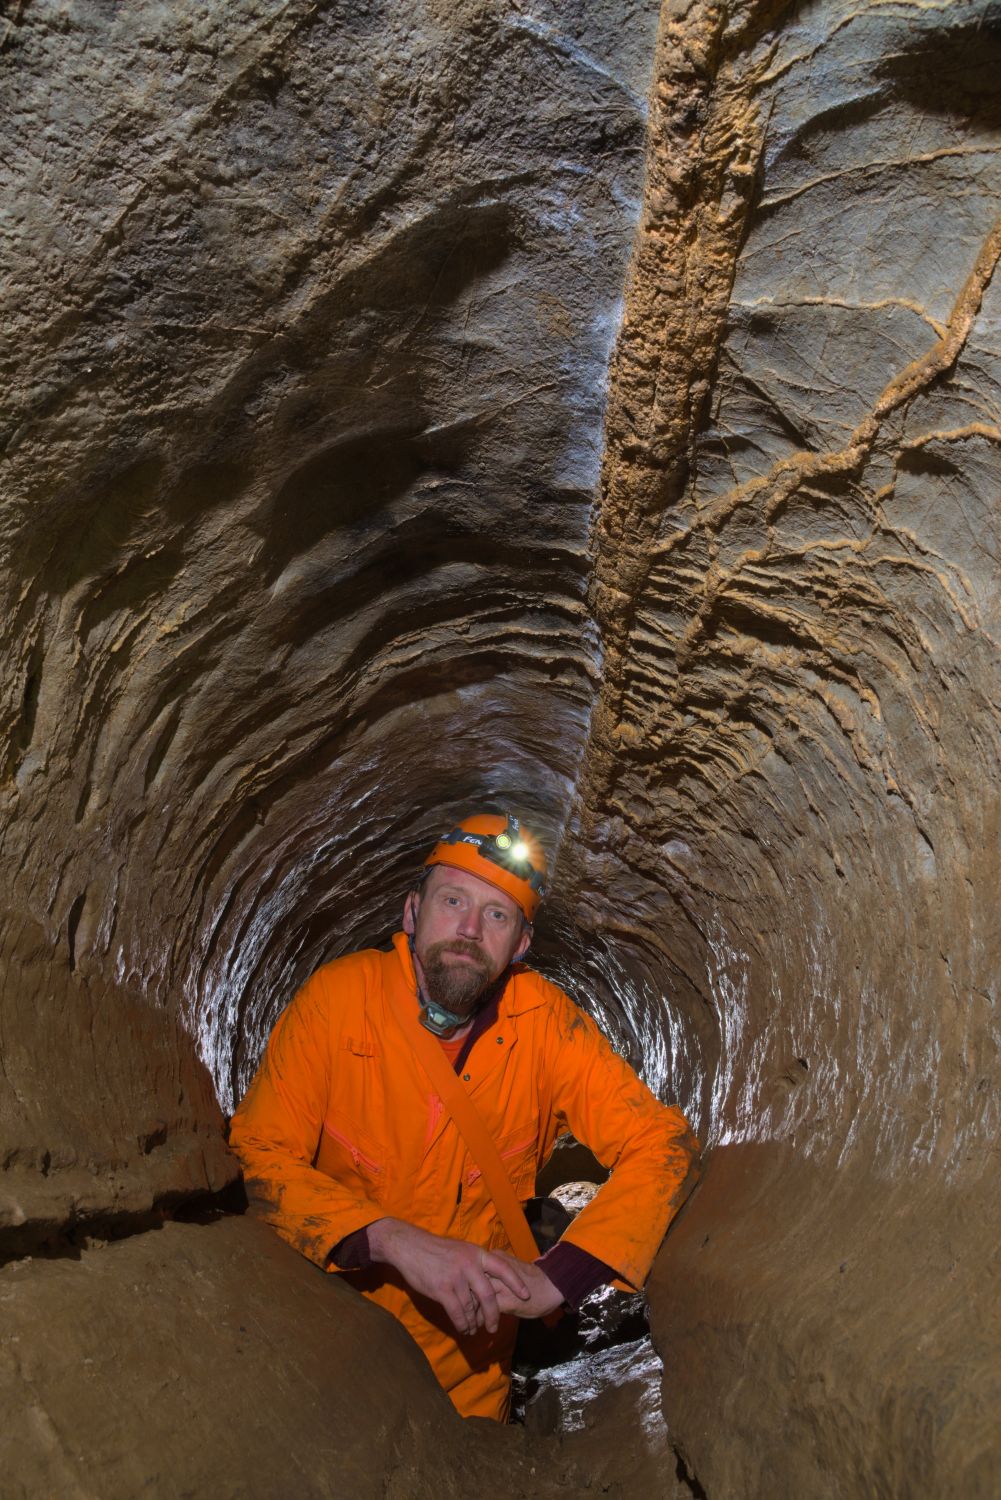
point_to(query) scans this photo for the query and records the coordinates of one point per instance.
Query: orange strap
(474, 1132)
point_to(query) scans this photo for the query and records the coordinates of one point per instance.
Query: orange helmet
(497, 849)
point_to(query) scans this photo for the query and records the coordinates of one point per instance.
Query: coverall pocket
(518, 1152)
(346, 1151)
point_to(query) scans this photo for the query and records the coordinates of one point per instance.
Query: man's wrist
(381, 1233)
(365, 1247)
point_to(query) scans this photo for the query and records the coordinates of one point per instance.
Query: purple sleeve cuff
(574, 1272)
(352, 1252)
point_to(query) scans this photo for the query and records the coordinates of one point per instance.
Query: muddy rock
(211, 1359)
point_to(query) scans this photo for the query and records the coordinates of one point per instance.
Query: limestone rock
(791, 786)
(309, 315)
(213, 1360)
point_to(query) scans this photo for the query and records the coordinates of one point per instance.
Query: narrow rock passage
(587, 408)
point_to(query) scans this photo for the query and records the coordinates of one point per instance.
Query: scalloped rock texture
(328, 510)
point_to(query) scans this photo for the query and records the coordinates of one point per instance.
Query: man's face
(466, 932)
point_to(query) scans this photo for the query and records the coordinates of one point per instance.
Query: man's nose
(471, 922)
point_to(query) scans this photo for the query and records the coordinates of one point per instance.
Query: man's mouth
(468, 952)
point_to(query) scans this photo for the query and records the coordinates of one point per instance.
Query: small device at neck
(439, 1021)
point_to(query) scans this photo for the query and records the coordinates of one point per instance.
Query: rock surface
(212, 1360)
(310, 314)
(315, 530)
(793, 765)
(151, 1367)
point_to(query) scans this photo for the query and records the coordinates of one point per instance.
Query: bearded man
(352, 1153)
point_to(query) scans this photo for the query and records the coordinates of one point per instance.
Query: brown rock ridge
(212, 1360)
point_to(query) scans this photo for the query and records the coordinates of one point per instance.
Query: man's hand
(466, 1281)
(543, 1297)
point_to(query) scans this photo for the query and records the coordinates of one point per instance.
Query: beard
(457, 987)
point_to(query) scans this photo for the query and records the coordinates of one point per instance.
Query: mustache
(463, 946)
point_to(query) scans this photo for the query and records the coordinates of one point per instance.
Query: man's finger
(488, 1305)
(501, 1268)
(460, 1310)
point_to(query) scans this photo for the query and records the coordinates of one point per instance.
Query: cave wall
(311, 310)
(791, 786)
(203, 1413)
(328, 510)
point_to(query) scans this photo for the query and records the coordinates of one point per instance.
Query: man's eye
(498, 916)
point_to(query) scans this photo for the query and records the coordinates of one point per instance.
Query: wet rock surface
(793, 762)
(602, 1412)
(590, 1389)
(557, 1369)
(316, 529)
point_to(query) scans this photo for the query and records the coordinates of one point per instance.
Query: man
(349, 1151)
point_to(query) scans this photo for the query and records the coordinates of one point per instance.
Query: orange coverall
(341, 1126)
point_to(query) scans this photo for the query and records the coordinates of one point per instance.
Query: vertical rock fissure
(704, 142)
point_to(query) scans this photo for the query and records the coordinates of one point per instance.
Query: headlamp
(506, 849)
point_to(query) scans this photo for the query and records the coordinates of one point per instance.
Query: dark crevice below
(24, 731)
(69, 1239)
(686, 1478)
(72, 926)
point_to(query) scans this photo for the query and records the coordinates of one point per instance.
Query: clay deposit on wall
(335, 501)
